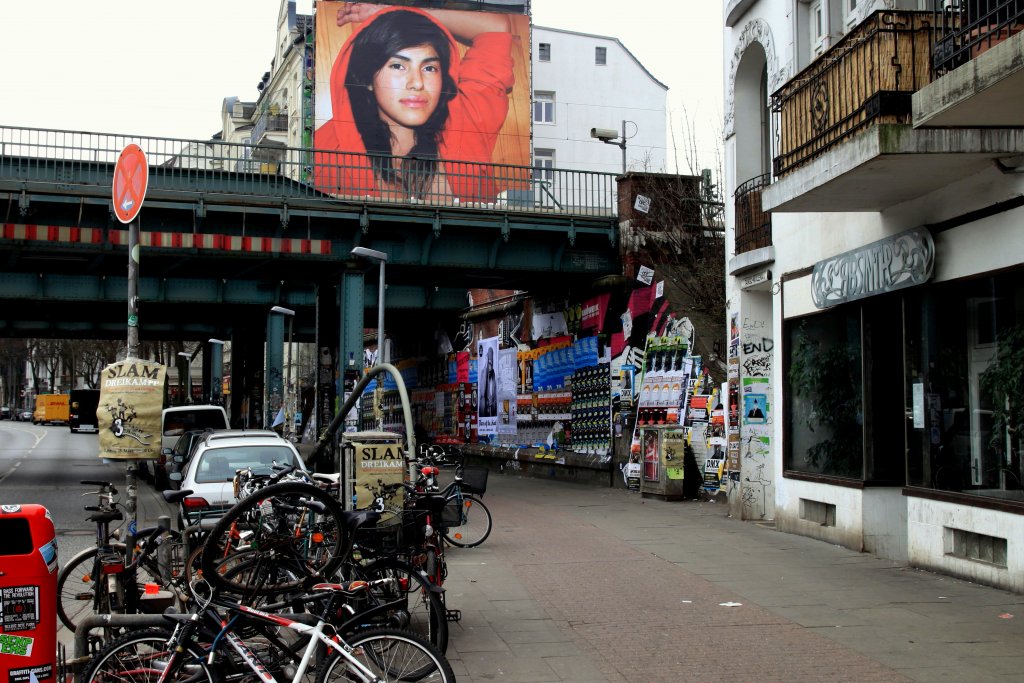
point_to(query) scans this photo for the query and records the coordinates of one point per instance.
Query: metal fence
(85, 159)
(965, 29)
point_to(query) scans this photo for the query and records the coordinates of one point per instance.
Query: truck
(51, 408)
(82, 410)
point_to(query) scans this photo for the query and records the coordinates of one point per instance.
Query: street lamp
(381, 257)
(289, 420)
(612, 137)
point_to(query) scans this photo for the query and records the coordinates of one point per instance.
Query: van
(176, 421)
(82, 410)
(51, 408)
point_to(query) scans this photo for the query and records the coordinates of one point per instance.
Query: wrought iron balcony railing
(965, 29)
(867, 78)
(753, 223)
(83, 162)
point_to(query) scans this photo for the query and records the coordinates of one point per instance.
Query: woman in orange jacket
(406, 106)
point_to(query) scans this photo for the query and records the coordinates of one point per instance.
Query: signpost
(131, 180)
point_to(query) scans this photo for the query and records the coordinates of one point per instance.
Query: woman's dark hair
(375, 44)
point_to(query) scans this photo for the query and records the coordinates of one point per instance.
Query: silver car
(211, 469)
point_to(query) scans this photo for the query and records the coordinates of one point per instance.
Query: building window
(543, 107)
(817, 28)
(824, 402)
(964, 399)
(544, 52)
(544, 164)
(600, 56)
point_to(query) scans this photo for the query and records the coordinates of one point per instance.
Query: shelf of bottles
(591, 410)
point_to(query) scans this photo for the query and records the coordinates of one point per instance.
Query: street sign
(131, 178)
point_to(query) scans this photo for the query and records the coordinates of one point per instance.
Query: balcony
(978, 64)
(269, 135)
(753, 226)
(846, 139)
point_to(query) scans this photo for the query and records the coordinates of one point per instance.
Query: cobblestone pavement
(587, 584)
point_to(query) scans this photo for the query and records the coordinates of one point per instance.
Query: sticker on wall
(755, 408)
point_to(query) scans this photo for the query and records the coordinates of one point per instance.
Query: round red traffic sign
(131, 178)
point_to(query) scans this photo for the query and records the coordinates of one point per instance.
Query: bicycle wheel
(287, 532)
(142, 657)
(391, 655)
(476, 522)
(421, 609)
(77, 586)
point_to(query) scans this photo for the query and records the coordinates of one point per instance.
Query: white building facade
(875, 276)
(583, 81)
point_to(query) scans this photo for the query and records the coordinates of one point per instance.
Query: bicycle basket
(409, 530)
(451, 515)
(474, 480)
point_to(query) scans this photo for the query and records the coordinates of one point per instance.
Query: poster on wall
(487, 386)
(673, 448)
(755, 400)
(470, 102)
(508, 381)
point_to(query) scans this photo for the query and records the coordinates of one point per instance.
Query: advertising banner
(487, 383)
(448, 87)
(593, 313)
(131, 402)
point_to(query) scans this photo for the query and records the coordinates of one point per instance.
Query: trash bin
(28, 594)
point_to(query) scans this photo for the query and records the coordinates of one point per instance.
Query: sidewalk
(589, 584)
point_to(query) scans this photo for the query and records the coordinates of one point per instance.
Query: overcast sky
(163, 69)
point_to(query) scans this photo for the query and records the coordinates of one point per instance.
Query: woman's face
(408, 86)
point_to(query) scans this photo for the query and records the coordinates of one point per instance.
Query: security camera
(604, 134)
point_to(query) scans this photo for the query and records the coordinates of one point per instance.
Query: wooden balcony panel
(867, 78)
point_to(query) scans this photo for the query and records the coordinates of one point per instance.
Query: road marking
(10, 471)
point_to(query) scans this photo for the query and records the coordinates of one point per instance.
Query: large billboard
(419, 104)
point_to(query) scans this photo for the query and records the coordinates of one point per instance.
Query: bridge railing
(76, 158)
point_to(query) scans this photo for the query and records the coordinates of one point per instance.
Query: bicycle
(209, 645)
(468, 520)
(107, 578)
(280, 535)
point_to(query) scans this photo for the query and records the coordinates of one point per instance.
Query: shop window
(964, 395)
(824, 404)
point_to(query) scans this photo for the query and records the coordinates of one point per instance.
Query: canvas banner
(131, 402)
(508, 382)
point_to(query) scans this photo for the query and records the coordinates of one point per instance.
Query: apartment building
(874, 156)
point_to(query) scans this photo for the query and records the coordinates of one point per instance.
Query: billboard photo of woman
(411, 92)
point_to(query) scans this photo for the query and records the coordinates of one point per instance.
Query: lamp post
(382, 258)
(289, 420)
(611, 137)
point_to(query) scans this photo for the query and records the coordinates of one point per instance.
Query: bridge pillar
(246, 378)
(327, 310)
(352, 286)
(273, 387)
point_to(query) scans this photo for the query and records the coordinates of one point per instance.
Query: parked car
(176, 458)
(174, 422)
(25, 416)
(211, 469)
(5, 413)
